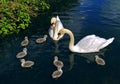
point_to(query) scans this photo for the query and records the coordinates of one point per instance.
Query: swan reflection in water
(71, 61)
(56, 47)
(91, 57)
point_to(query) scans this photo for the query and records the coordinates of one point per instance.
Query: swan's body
(56, 26)
(41, 40)
(57, 62)
(25, 41)
(90, 43)
(99, 60)
(22, 54)
(57, 73)
(26, 64)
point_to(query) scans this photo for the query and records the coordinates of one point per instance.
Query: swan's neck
(71, 43)
(56, 30)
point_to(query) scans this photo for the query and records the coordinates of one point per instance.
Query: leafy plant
(4, 3)
(16, 14)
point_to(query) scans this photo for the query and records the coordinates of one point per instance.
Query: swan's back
(92, 43)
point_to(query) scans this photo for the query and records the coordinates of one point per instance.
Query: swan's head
(60, 33)
(55, 27)
(53, 22)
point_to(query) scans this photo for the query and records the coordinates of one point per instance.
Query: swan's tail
(109, 41)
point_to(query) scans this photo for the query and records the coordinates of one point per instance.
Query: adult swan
(89, 44)
(56, 26)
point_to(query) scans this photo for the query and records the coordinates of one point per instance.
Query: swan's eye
(59, 33)
(52, 23)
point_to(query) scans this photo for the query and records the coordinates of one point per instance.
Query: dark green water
(100, 17)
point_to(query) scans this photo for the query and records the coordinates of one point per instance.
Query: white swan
(22, 53)
(57, 62)
(26, 64)
(90, 43)
(25, 41)
(99, 60)
(57, 73)
(41, 40)
(56, 26)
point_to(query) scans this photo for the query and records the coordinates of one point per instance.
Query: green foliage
(15, 14)
(4, 3)
(14, 18)
(44, 5)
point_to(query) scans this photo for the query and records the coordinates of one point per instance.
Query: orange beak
(52, 26)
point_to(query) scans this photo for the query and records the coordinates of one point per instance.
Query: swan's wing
(60, 25)
(90, 43)
(50, 32)
(110, 40)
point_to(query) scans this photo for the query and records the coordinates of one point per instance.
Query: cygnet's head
(96, 56)
(22, 60)
(56, 58)
(59, 68)
(45, 36)
(26, 37)
(24, 49)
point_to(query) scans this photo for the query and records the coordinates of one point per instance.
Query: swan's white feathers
(50, 32)
(59, 26)
(90, 43)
